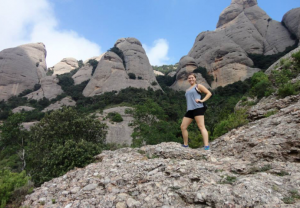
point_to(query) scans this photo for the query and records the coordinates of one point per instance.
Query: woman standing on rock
(195, 110)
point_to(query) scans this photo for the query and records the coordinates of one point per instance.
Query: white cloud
(27, 21)
(158, 54)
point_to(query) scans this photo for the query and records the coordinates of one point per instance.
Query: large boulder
(243, 28)
(21, 68)
(114, 73)
(187, 65)
(49, 89)
(291, 20)
(65, 66)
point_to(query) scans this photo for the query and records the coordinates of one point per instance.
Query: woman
(195, 110)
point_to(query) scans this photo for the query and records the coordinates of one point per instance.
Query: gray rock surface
(187, 65)
(275, 66)
(49, 89)
(97, 58)
(167, 175)
(28, 125)
(59, 104)
(243, 28)
(65, 66)
(111, 75)
(291, 20)
(172, 74)
(157, 73)
(83, 74)
(22, 108)
(118, 132)
(21, 68)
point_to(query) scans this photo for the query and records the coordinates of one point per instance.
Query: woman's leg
(184, 125)
(200, 122)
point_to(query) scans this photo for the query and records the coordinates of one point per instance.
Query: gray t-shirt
(191, 96)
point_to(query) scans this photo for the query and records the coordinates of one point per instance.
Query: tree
(55, 149)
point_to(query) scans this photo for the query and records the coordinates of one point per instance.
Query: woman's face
(191, 79)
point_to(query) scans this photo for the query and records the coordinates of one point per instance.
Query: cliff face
(114, 73)
(243, 28)
(21, 68)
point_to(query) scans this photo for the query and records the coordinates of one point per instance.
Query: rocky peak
(65, 66)
(129, 68)
(245, 3)
(21, 68)
(233, 10)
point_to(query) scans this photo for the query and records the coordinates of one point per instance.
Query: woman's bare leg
(201, 125)
(184, 125)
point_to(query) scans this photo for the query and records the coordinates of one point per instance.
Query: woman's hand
(198, 101)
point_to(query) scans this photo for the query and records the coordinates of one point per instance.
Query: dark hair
(191, 73)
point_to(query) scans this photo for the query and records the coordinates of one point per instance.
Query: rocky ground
(256, 165)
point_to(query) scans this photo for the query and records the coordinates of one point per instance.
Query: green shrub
(115, 117)
(94, 64)
(154, 83)
(234, 120)
(260, 85)
(10, 182)
(36, 87)
(25, 92)
(119, 52)
(49, 72)
(131, 76)
(289, 89)
(60, 148)
(264, 62)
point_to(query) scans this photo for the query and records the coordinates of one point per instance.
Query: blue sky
(82, 29)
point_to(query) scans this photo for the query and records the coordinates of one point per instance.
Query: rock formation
(158, 73)
(97, 58)
(243, 28)
(49, 89)
(186, 65)
(113, 73)
(65, 66)
(83, 74)
(118, 132)
(276, 64)
(291, 20)
(21, 68)
(22, 108)
(59, 104)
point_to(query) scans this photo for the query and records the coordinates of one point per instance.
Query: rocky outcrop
(291, 20)
(118, 132)
(171, 74)
(65, 66)
(97, 58)
(21, 68)
(167, 175)
(158, 73)
(277, 63)
(83, 74)
(28, 125)
(186, 65)
(22, 108)
(273, 138)
(49, 89)
(59, 104)
(114, 73)
(243, 28)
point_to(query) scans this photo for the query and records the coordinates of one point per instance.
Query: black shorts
(196, 112)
